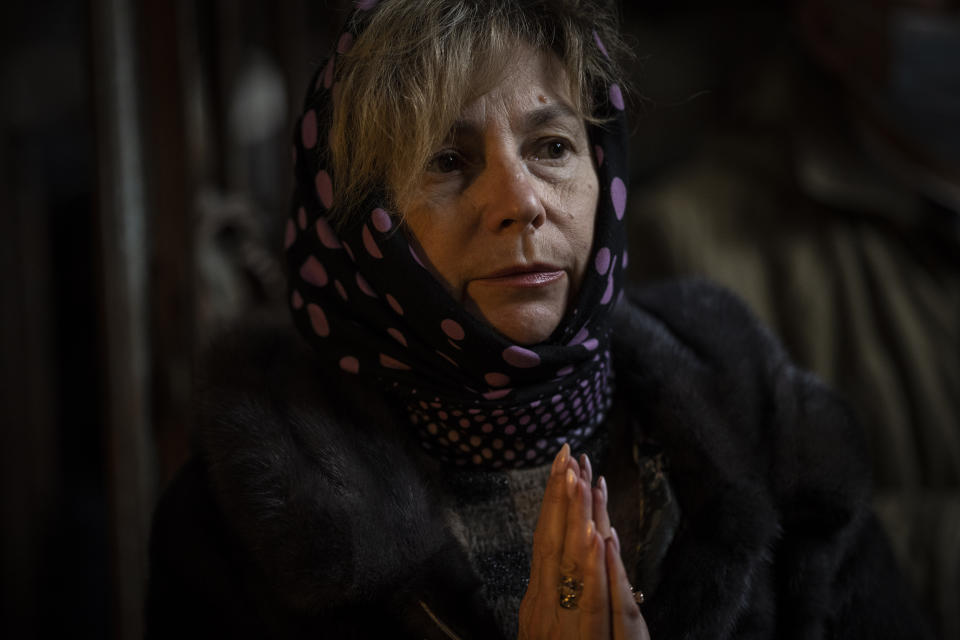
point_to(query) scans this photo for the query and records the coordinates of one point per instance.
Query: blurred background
(805, 153)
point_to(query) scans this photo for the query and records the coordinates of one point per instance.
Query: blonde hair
(418, 63)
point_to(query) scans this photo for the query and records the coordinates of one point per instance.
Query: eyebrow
(530, 120)
(547, 114)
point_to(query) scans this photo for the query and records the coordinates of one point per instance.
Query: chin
(527, 325)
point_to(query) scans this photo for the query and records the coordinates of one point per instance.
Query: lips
(530, 275)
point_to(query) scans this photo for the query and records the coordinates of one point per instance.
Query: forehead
(532, 86)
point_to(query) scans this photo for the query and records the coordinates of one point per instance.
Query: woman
(455, 260)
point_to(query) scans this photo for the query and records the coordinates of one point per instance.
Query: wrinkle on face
(508, 200)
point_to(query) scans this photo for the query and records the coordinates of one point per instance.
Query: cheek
(433, 245)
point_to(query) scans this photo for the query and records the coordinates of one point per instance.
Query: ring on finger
(570, 589)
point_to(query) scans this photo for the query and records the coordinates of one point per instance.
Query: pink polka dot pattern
(394, 305)
(345, 43)
(616, 96)
(520, 357)
(369, 244)
(324, 188)
(607, 293)
(495, 379)
(308, 129)
(507, 432)
(602, 261)
(453, 329)
(296, 300)
(392, 363)
(381, 220)
(396, 335)
(340, 290)
(448, 358)
(318, 320)
(416, 258)
(326, 234)
(313, 272)
(618, 194)
(364, 286)
(350, 364)
(328, 74)
(600, 45)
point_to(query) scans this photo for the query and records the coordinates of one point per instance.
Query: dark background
(144, 175)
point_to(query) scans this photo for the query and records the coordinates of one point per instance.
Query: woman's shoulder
(308, 477)
(693, 338)
(692, 316)
(767, 463)
(263, 368)
(706, 380)
(262, 390)
(702, 366)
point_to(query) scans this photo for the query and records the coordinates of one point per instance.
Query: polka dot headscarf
(363, 298)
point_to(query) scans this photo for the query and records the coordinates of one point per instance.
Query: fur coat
(306, 511)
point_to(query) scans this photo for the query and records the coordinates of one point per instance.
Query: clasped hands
(578, 586)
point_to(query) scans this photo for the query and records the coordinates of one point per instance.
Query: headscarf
(364, 300)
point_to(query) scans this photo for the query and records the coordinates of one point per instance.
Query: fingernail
(616, 538)
(591, 529)
(571, 484)
(603, 488)
(587, 468)
(597, 496)
(561, 460)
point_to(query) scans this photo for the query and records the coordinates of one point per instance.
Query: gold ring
(570, 590)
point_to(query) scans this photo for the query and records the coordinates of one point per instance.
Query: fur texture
(307, 511)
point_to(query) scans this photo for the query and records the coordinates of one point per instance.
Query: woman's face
(504, 212)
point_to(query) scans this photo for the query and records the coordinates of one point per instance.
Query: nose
(506, 195)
